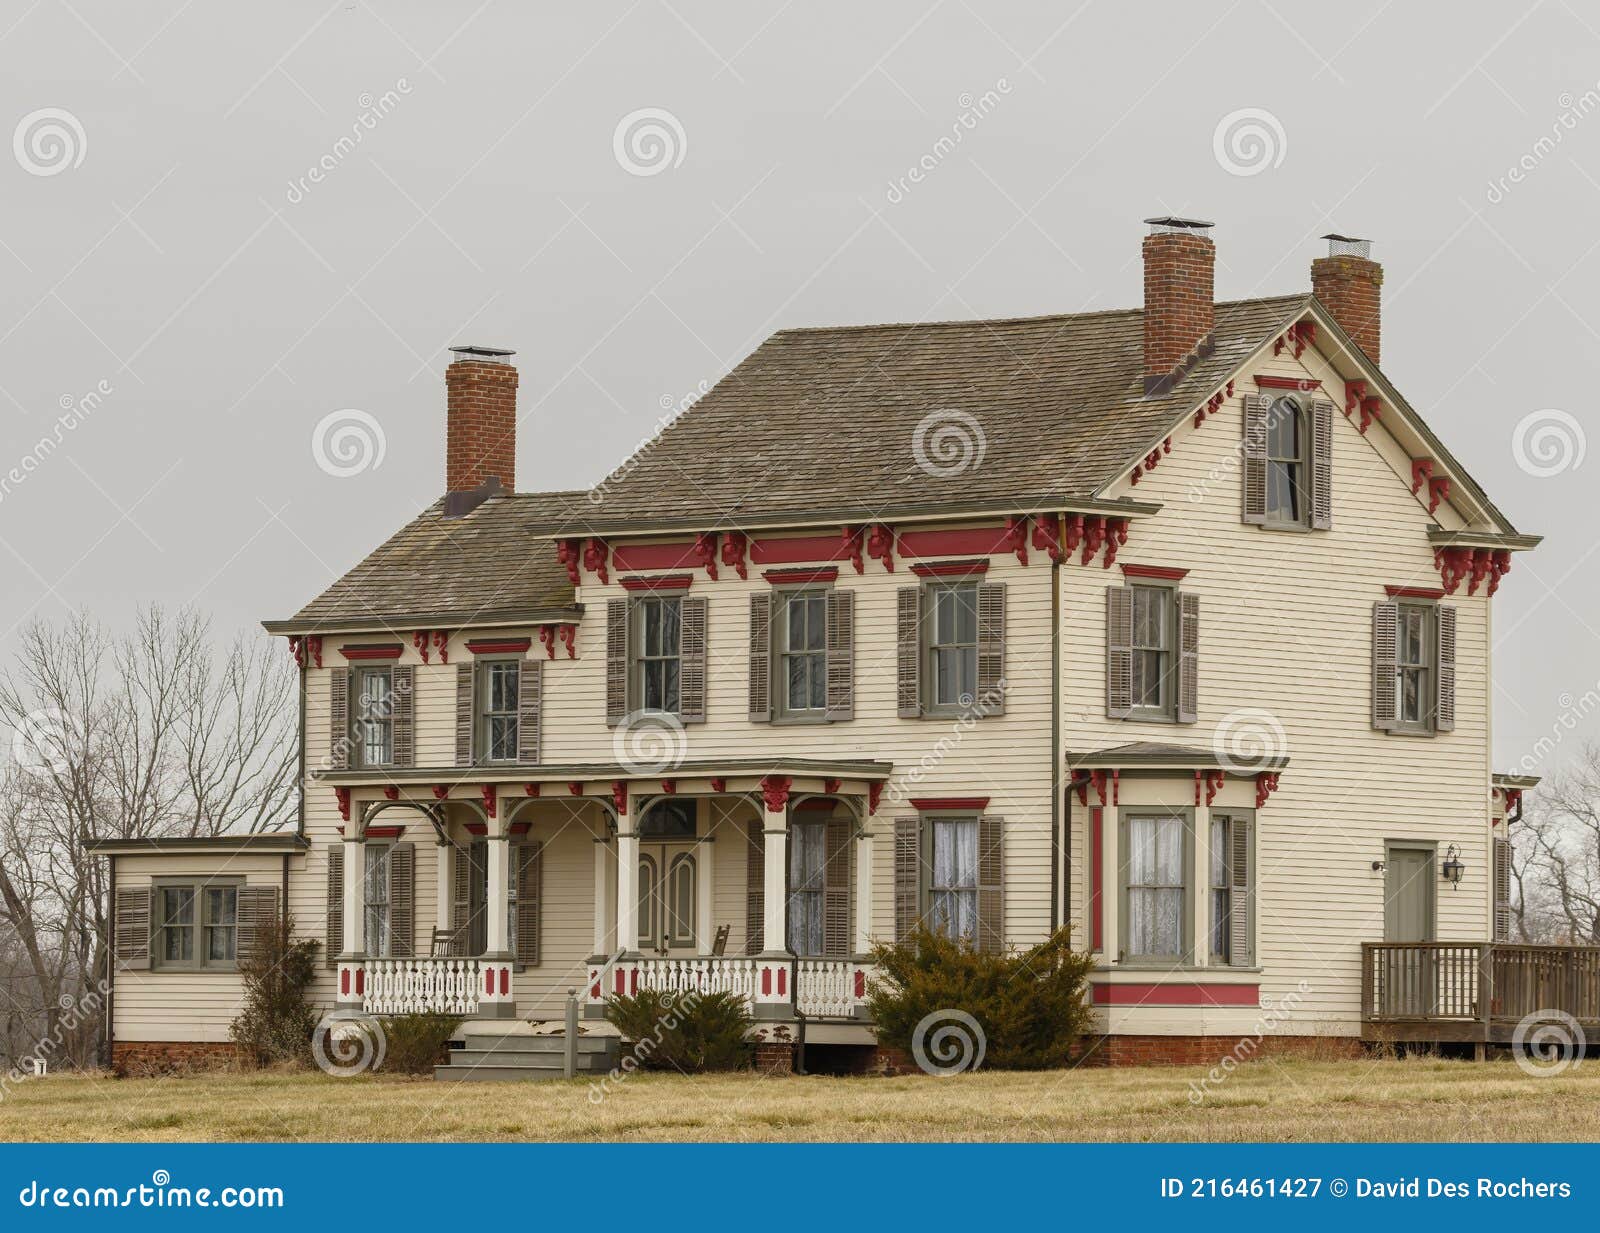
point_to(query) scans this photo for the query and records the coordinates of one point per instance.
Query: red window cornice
(371, 650)
(928, 804)
(950, 569)
(666, 582)
(825, 573)
(500, 646)
(1170, 573)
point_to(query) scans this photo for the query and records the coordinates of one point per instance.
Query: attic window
(1287, 464)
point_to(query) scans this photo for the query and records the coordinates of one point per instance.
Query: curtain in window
(377, 900)
(953, 901)
(1155, 886)
(807, 861)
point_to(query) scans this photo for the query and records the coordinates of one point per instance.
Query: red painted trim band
(818, 802)
(798, 549)
(1177, 994)
(1287, 383)
(667, 582)
(1414, 592)
(949, 802)
(1155, 571)
(823, 573)
(477, 828)
(951, 569)
(654, 556)
(972, 542)
(503, 646)
(385, 832)
(371, 650)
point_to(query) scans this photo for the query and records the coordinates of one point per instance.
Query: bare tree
(1557, 863)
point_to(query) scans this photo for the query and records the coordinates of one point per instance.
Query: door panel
(1408, 904)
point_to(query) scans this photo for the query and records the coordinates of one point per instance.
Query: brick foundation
(1126, 1050)
(136, 1058)
(775, 1058)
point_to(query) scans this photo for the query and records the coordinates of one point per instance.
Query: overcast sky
(165, 244)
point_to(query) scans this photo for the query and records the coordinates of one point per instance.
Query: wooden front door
(669, 887)
(1408, 908)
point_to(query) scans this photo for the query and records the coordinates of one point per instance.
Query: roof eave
(405, 622)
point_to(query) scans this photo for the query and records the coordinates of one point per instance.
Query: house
(1170, 626)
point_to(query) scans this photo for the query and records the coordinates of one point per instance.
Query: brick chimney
(481, 419)
(1346, 282)
(1179, 309)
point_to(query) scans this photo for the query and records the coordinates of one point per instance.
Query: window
(807, 864)
(477, 896)
(953, 877)
(1153, 623)
(1155, 888)
(668, 820)
(374, 716)
(197, 925)
(953, 645)
(513, 864)
(1221, 949)
(1286, 463)
(376, 898)
(498, 681)
(1413, 657)
(658, 653)
(803, 652)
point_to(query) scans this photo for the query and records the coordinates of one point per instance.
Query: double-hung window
(1155, 888)
(953, 877)
(1413, 659)
(807, 865)
(1154, 627)
(1221, 863)
(1287, 464)
(953, 645)
(498, 683)
(803, 653)
(197, 925)
(376, 891)
(658, 652)
(373, 726)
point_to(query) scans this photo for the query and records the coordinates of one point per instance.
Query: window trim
(925, 888)
(1185, 816)
(388, 893)
(1234, 816)
(1306, 462)
(1427, 725)
(1171, 621)
(931, 706)
(357, 721)
(481, 714)
(199, 885)
(791, 891)
(636, 656)
(782, 713)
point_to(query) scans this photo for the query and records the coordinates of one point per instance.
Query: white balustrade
(415, 986)
(736, 976)
(825, 988)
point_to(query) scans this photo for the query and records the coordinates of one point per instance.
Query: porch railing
(414, 986)
(823, 988)
(1480, 983)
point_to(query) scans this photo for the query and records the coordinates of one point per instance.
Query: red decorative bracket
(567, 554)
(1453, 565)
(705, 551)
(1214, 782)
(342, 795)
(1094, 535)
(775, 792)
(1047, 534)
(392, 792)
(1499, 568)
(831, 786)
(619, 796)
(1421, 472)
(420, 641)
(854, 538)
(1074, 535)
(1016, 539)
(1116, 536)
(490, 800)
(1266, 785)
(874, 795)
(1438, 490)
(670, 787)
(1371, 409)
(308, 647)
(719, 784)
(547, 637)
(595, 553)
(569, 638)
(1354, 392)
(440, 791)
(532, 789)
(880, 545)
(1212, 405)
(574, 787)
(733, 546)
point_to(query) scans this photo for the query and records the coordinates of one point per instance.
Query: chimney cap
(1171, 224)
(492, 355)
(1347, 246)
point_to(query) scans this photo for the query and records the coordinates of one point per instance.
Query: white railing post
(446, 985)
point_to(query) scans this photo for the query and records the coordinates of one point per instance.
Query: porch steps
(520, 1057)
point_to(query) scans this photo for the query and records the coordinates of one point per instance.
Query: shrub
(1029, 1005)
(415, 1044)
(276, 1023)
(686, 1032)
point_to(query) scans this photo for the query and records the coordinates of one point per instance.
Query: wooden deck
(1474, 992)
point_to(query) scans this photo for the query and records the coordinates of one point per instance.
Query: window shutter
(339, 718)
(761, 658)
(530, 902)
(908, 655)
(1119, 652)
(991, 884)
(1188, 657)
(256, 915)
(1385, 626)
(1253, 455)
(1445, 703)
(841, 655)
(333, 938)
(1241, 894)
(1321, 464)
(402, 900)
(836, 888)
(991, 699)
(755, 893)
(616, 661)
(466, 678)
(461, 900)
(530, 704)
(907, 875)
(692, 659)
(1502, 890)
(134, 920)
(404, 718)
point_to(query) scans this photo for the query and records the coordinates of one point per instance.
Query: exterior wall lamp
(1453, 868)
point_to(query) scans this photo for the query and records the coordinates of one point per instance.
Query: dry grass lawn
(1287, 1101)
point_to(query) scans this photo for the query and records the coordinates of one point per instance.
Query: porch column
(775, 967)
(605, 879)
(627, 879)
(863, 904)
(442, 887)
(352, 960)
(495, 999)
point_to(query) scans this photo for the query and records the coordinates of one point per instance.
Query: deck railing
(1477, 983)
(823, 988)
(415, 986)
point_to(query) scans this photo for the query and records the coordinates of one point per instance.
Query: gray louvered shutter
(1322, 464)
(333, 935)
(461, 899)
(530, 902)
(1445, 703)
(1241, 894)
(991, 884)
(1119, 652)
(1385, 626)
(1253, 457)
(991, 699)
(907, 876)
(761, 658)
(841, 655)
(692, 659)
(256, 916)
(339, 718)
(466, 680)
(836, 888)
(755, 888)
(403, 900)
(1502, 890)
(131, 927)
(616, 661)
(908, 652)
(530, 707)
(405, 711)
(1188, 657)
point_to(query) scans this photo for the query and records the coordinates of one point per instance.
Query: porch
(1477, 992)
